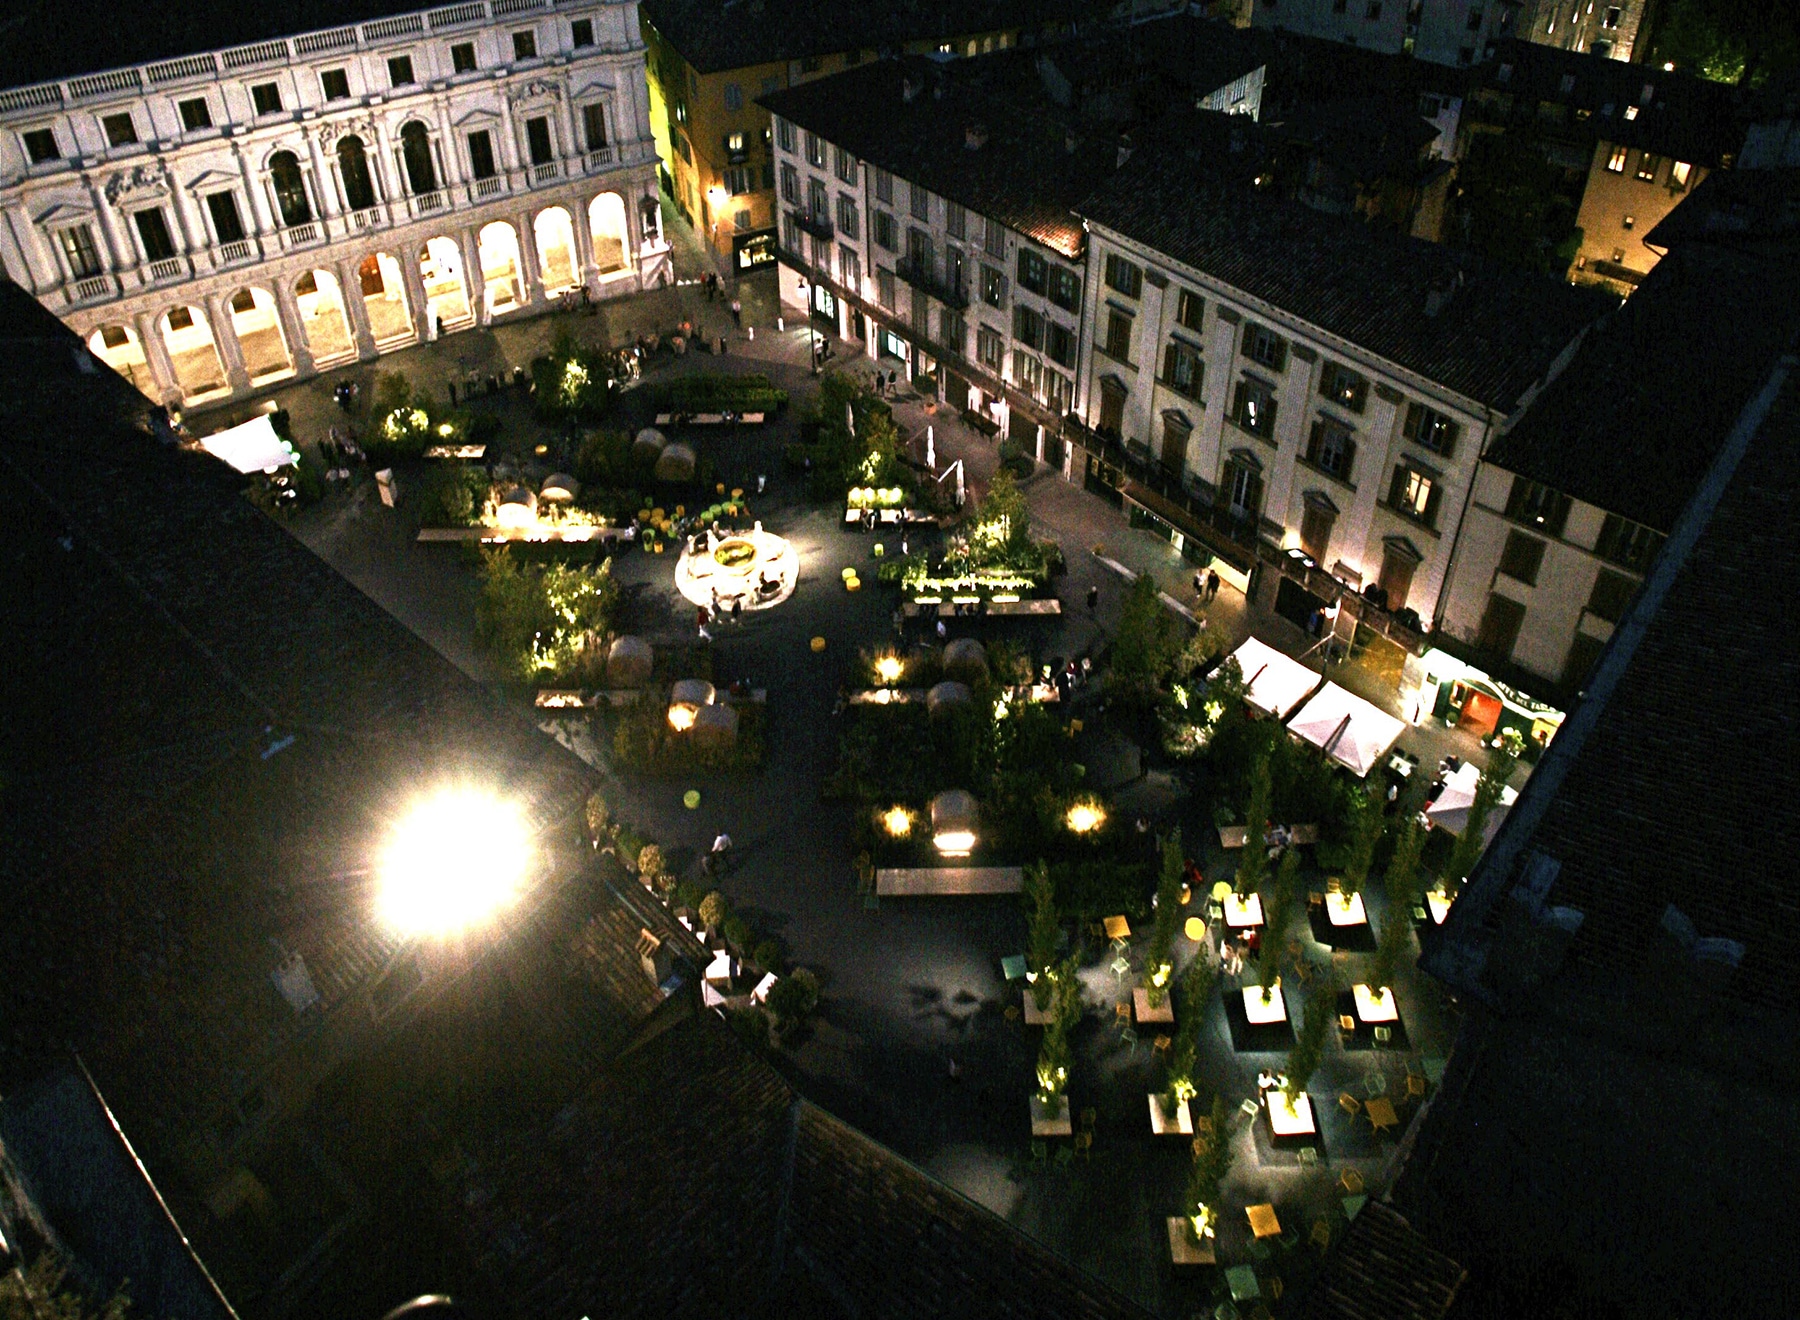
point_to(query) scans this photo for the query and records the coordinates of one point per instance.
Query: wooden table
(1381, 1113)
(1117, 928)
(1263, 1222)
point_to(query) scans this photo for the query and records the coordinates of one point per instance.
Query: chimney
(975, 137)
(1124, 151)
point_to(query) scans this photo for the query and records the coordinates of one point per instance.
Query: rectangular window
(1415, 494)
(1430, 428)
(266, 97)
(537, 139)
(40, 145)
(1537, 505)
(1616, 161)
(954, 269)
(1065, 289)
(120, 131)
(884, 185)
(400, 71)
(227, 224)
(1190, 310)
(784, 134)
(881, 229)
(993, 287)
(990, 347)
(1316, 522)
(524, 45)
(1374, 10)
(818, 201)
(790, 185)
(1242, 485)
(1124, 276)
(1034, 271)
(815, 151)
(593, 124)
(847, 219)
(1344, 387)
(1611, 595)
(1611, 19)
(1028, 327)
(921, 313)
(1118, 334)
(181, 318)
(952, 332)
(196, 114)
(739, 179)
(845, 165)
(581, 33)
(956, 220)
(1646, 170)
(1253, 407)
(79, 251)
(993, 238)
(1627, 544)
(849, 265)
(1584, 652)
(1028, 374)
(153, 230)
(1679, 173)
(1176, 430)
(1264, 346)
(462, 57)
(1059, 344)
(921, 202)
(1183, 371)
(481, 154)
(1500, 623)
(734, 96)
(1332, 448)
(884, 288)
(1475, 17)
(1522, 557)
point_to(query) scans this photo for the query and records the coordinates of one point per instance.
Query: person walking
(1093, 599)
(721, 853)
(1212, 583)
(942, 631)
(737, 313)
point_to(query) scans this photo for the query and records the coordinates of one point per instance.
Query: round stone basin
(737, 555)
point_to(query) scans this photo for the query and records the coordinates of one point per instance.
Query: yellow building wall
(1614, 199)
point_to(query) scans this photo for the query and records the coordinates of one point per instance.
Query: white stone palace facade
(219, 222)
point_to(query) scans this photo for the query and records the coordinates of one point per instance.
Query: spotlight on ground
(452, 862)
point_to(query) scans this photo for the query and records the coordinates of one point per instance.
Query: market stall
(1274, 683)
(1351, 731)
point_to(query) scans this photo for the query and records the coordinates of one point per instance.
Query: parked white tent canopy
(251, 447)
(1451, 810)
(1346, 728)
(1276, 682)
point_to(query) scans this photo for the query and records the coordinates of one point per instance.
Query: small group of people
(339, 449)
(885, 381)
(1206, 584)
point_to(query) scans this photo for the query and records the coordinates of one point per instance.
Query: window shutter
(1169, 363)
(1313, 442)
(1432, 500)
(1237, 399)
(1349, 463)
(1452, 434)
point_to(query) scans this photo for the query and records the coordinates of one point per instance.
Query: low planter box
(1264, 1012)
(1243, 911)
(1184, 1251)
(1046, 1122)
(1140, 1003)
(1166, 1124)
(1034, 1016)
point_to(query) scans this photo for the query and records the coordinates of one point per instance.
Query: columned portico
(225, 340)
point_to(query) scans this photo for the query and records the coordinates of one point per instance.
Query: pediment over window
(478, 117)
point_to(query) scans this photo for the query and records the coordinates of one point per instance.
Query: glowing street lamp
(888, 669)
(1085, 817)
(897, 821)
(455, 860)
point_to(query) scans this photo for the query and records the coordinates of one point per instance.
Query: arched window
(290, 189)
(415, 149)
(353, 169)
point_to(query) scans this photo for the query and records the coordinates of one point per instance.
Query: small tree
(1053, 1057)
(1144, 645)
(1253, 865)
(1403, 868)
(650, 863)
(1275, 919)
(1213, 1157)
(1168, 914)
(598, 816)
(1488, 791)
(1190, 1017)
(1042, 933)
(1392, 946)
(1366, 826)
(1309, 1046)
(713, 910)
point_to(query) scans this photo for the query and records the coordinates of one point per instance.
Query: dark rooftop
(1498, 331)
(1602, 99)
(713, 35)
(1023, 175)
(1382, 1270)
(45, 39)
(1633, 422)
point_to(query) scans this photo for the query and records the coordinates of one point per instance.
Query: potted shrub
(1042, 933)
(1049, 1109)
(1253, 864)
(1366, 826)
(1488, 791)
(1262, 1002)
(1153, 997)
(1213, 1156)
(1290, 1111)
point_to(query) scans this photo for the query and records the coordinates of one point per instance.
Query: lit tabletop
(1345, 912)
(1261, 1012)
(1243, 910)
(1263, 1222)
(1290, 1117)
(1117, 928)
(1381, 1113)
(1370, 1008)
(1194, 929)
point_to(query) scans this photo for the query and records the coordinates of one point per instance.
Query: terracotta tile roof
(1383, 1270)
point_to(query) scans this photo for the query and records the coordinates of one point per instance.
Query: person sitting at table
(1253, 941)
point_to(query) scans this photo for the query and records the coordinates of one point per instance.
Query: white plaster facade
(1274, 473)
(222, 221)
(1442, 31)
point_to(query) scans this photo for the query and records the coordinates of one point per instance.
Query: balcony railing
(232, 254)
(170, 268)
(923, 278)
(817, 226)
(491, 187)
(545, 173)
(426, 203)
(600, 158)
(296, 236)
(371, 217)
(92, 288)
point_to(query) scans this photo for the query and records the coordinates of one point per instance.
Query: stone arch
(502, 268)
(446, 289)
(611, 234)
(354, 173)
(416, 156)
(288, 183)
(256, 323)
(119, 347)
(193, 354)
(324, 319)
(559, 264)
(383, 287)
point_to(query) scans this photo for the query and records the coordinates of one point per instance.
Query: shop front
(1438, 686)
(1198, 543)
(753, 251)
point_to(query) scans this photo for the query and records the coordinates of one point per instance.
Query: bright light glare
(888, 669)
(898, 821)
(955, 843)
(681, 717)
(1084, 817)
(453, 861)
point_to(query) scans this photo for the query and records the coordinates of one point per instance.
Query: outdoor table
(1345, 913)
(1371, 1009)
(1381, 1113)
(1243, 910)
(1289, 1117)
(1263, 1222)
(1014, 966)
(1194, 929)
(1117, 928)
(1241, 1279)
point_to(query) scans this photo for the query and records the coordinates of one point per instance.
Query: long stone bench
(926, 881)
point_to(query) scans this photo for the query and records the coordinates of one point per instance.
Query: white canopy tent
(1346, 728)
(251, 447)
(1275, 683)
(1451, 810)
